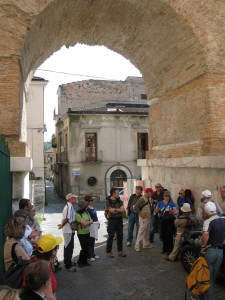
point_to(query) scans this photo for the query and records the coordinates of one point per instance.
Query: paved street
(143, 275)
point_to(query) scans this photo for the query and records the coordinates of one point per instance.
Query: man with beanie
(68, 233)
(212, 245)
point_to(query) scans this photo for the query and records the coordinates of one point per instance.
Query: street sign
(77, 178)
(76, 171)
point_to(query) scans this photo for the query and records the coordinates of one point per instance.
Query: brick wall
(174, 44)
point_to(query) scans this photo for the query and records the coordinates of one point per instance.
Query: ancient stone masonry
(79, 94)
(178, 46)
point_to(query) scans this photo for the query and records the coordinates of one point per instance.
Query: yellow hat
(48, 242)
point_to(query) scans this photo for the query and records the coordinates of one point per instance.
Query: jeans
(84, 243)
(132, 219)
(68, 253)
(214, 259)
(115, 226)
(152, 229)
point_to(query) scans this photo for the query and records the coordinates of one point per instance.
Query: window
(142, 142)
(91, 146)
(117, 178)
(143, 96)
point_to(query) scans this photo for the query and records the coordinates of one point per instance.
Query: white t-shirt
(69, 213)
(206, 222)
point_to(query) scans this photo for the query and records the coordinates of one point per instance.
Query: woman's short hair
(8, 293)
(36, 274)
(15, 228)
(88, 198)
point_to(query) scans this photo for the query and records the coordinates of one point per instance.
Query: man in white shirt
(68, 234)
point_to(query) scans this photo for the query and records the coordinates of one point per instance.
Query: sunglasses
(157, 186)
(181, 193)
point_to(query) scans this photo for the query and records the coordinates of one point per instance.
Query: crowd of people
(155, 211)
(29, 255)
(147, 210)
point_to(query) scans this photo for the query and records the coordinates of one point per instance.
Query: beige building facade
(91, 148)
(178, 46)
(99, 143)
(28, 173)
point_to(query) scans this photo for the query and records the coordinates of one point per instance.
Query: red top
(54, 282)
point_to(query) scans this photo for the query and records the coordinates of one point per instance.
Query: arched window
(117, 178)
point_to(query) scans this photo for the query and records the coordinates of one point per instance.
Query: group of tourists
(29, 255)
(155, 211)
(147, 210)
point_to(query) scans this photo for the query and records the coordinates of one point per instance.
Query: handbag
(13, 277)
(74, 225)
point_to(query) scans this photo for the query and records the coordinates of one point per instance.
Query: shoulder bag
(13, 277)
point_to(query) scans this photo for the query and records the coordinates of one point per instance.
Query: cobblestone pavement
(141, 275)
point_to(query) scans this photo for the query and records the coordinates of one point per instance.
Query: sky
(94, 61)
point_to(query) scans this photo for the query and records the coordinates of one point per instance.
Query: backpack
(189, 194)
(107, 213)
(198, 281)
(13, 277)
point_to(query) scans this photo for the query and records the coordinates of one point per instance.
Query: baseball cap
(207, 194)
(139, 187)
(149, 190)
(48, 242)
(210, 208)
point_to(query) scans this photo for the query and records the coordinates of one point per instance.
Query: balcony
(91, 161)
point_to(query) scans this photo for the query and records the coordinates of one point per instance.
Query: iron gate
(5, 194)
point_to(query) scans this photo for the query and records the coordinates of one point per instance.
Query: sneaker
(97, 257)
(91, 259)
(128, 243)
(138, 249)
(122, 254)
(148, 247)
(72, 269)
(110, 255)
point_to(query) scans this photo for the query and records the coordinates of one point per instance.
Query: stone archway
(178, 46)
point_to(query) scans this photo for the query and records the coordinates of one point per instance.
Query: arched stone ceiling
(155, 37)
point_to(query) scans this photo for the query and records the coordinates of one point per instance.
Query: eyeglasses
(181, 193)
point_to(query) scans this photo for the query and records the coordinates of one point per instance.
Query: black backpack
(13, 277)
